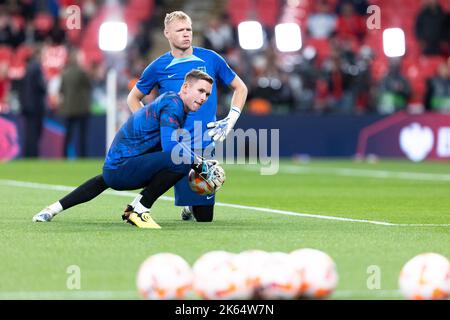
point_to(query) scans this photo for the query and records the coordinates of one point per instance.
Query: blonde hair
(196, 74)
(176, 15)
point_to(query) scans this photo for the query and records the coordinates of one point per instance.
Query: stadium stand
(26, 27)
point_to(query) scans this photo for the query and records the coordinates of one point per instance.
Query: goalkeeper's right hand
(218, 177)
(211, 172)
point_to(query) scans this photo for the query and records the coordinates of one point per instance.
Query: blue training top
(147, 130)
(167, 74)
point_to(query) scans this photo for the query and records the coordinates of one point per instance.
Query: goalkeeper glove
(220, 129)
(211, 172)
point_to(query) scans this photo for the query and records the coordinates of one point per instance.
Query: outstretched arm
(220, 129)
(209, 170)
(134, 99)
(240, 93)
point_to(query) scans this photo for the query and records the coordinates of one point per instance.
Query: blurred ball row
(255, 274)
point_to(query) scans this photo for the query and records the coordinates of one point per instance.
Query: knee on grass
(203, 213)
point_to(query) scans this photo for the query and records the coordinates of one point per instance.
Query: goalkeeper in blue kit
(141, 155)
(166, 74)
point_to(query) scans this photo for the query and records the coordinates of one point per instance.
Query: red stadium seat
(43, 22)
(429, 64)
(6, 54)
(141, 9)
(23, 52)
(18, 21)
(17, 70)
(322, 47)
(379, 68)
(268, 11)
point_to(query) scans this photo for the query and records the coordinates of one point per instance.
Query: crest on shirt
(202, 68)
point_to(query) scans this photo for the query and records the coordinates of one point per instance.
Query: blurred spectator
(428, 27)
(360, 6)
(336, 80)
(88, 10)
(50, 6)
(364, 81)
(17, 26)
(218, 35)
(445, 33)
(76, 90)
(4, 87)
(304, 79)
(25, 8)
(57, 34)
(322, 22)
(142, 41)
(437, 97)
(32, 97)
(350, 24)
(270, 83)
(97, 72)
(54, 57)
(43, 24)
(394, 90)
(6, 33)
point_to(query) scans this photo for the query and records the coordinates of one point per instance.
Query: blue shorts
(137, 172)
(184, 196)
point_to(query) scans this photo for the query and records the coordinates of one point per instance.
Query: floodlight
(250, 35)
(394, 42)
(112, 36)
(288, 37)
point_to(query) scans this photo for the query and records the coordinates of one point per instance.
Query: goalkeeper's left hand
(220, 129)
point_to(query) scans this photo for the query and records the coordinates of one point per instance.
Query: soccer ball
(426, 276)
(164, 276)
(318, 273)
(218, 277)
(251, 262)
(199, 185)
(278, 278)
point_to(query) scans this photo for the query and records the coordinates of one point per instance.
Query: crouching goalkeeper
(141, 155)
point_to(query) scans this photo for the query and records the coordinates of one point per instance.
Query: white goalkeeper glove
(220, 129)
(211, 172)
(217, 177)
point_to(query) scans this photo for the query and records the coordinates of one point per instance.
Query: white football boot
(45, 215)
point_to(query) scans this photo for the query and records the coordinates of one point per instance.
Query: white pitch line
(80, 294)
(33, 185)
(351, 172)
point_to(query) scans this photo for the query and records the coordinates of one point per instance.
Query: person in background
(322, 21)
(75, 104)
(394, 90)
(437, 97)
(32, 98)
(428, 27)
(218, 35)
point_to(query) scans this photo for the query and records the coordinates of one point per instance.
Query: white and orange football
(426, 277)
(164, 276)
(203, 188)
(318, 272)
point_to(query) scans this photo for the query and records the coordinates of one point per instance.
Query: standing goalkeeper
(166, 74)
(141, 155)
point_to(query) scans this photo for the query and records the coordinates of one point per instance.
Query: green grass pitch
(395, 210)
